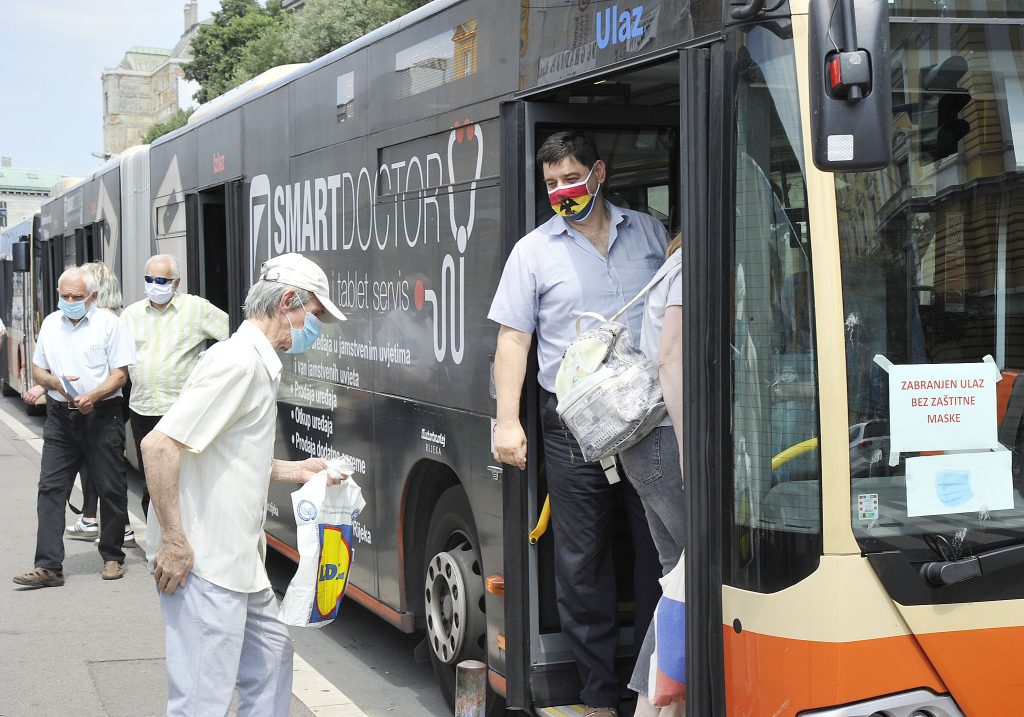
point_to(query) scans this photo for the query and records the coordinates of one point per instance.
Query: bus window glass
(933, 273)
(956, 8)
(438, 60)
(775, 501)
(346, 96)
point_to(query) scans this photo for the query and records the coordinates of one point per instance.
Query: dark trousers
(71, 440)
(141, 426)
(584, 507)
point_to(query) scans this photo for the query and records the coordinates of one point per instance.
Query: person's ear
(600, 171)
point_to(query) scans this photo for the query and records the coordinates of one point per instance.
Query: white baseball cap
(297, 271)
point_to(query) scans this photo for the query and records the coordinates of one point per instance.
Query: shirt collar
(558, 226)
(261, 343)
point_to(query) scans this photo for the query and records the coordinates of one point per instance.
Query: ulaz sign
(614, 27)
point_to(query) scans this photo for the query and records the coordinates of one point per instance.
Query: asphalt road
(97, 646)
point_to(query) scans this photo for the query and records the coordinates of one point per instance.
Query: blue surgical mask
(305, 337)
(953, 487)
(74, 310)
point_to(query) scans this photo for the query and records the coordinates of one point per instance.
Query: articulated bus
(853, 438)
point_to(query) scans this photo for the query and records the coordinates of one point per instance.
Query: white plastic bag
(323, 520)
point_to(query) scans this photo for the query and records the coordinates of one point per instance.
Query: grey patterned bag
(609, 394)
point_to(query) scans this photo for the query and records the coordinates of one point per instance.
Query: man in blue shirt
(591, 256)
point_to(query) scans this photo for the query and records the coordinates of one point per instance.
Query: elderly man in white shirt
(209, 465)
(81, 359)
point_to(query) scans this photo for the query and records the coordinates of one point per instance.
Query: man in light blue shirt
(591, 256)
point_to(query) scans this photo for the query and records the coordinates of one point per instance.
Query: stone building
(146, 87)
(22, 191)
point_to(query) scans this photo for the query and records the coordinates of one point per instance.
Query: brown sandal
(40, 578)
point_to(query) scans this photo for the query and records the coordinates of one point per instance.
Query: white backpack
(609, 394)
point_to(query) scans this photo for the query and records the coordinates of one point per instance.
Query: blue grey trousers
(652, 466)
(219, 640)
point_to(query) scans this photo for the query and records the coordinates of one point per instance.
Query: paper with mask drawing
(959, 483)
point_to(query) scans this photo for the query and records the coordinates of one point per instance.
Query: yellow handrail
(542, 522)
(794, 452)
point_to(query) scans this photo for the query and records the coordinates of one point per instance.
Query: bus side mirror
(849, 85)
(19, 256)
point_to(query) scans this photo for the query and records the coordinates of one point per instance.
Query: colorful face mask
(574, 202)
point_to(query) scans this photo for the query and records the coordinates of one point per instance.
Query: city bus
(853, 416)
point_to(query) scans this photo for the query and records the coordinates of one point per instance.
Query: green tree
(161, 128)
(219, 47)
(268, 50)
(325, 25)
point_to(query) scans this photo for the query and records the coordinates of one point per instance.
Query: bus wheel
(453, 595)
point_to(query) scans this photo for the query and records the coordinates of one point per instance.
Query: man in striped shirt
(170, 331)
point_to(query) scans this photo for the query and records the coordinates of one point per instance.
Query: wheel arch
(426, 483)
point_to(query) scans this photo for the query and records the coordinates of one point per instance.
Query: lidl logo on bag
(332, 575)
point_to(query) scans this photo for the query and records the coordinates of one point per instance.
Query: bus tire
(453, 595)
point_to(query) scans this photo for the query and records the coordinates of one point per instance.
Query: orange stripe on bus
(982, 668)
(767, 675)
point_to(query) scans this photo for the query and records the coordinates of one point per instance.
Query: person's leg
(265, 668)
(141, 426)
(61, 459)
(652, 466)
(646, 567)
(90, 498)
(105, 458)
(582, 509)
(204, 627)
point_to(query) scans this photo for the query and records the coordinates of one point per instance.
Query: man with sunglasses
(170, 331)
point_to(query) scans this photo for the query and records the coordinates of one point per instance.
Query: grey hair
(170, 259)
(265, 296)
(91, 284)
(108, 288)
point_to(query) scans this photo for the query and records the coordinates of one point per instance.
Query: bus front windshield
(933, 283)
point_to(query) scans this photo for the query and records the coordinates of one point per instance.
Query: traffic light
(942, 99)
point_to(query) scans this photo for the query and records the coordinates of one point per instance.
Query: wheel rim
(445, 600)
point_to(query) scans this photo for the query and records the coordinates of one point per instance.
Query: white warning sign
(942, 407)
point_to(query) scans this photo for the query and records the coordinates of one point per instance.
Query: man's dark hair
(568, 143)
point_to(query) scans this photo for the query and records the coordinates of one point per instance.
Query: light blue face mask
(74, 310)
(953, 488)
(306, 336)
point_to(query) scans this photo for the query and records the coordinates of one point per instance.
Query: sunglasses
(158, 280)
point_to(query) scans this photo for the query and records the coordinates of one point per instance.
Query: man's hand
(33, 394)
(172, 563)
(310, 467)
(86, 402)
(510, 443)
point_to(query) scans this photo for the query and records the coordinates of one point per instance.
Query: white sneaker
(129, 539)
(82, 530)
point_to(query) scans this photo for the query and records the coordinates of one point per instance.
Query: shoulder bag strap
(667, 267)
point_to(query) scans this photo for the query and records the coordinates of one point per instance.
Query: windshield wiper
(949, 572)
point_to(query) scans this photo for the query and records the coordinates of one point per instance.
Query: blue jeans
(652, 466)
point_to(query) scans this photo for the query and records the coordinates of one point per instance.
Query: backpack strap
(664, 271)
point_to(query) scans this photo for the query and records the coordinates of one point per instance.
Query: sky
(52, 54)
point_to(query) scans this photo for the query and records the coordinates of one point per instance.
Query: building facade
(147, 87)
(22, 191)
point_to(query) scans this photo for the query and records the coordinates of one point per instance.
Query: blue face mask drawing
(953, 487)
(74, 310)
(306, 336)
